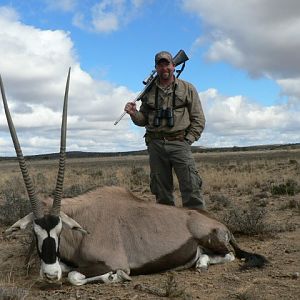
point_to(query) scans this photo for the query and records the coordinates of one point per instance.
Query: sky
(244, 61)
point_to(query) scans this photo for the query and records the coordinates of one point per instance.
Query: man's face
(165, 69)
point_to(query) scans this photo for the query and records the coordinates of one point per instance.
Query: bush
(292, 204)
(138, 176)
(219, 201)
(289, 188)
(251, 221)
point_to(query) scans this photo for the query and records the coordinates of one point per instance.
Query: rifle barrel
(138, 97)
(120, 118)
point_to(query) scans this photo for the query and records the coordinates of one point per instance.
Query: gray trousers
(164, 156)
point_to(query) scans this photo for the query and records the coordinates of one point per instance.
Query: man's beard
(166, 75)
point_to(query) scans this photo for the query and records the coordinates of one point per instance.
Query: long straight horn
(62, 155)
(35, 203)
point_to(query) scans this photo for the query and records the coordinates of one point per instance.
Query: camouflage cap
(163, 55)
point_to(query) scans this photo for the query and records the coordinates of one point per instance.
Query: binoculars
(164, 114)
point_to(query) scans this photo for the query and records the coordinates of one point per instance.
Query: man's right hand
(130, 108)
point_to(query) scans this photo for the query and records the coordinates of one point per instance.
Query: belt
(176, 136)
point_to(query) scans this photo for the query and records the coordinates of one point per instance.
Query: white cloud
(40, 54)
(34, 65)
(236, 121)
(8, 14)
(108, 15)
(78, 20)
(61, 5)
(105, 15)
(290, 86)
(259, 36)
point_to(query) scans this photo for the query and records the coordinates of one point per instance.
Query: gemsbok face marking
(47, 232)
(126, 235)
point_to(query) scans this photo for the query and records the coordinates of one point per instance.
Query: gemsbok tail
(252, 260)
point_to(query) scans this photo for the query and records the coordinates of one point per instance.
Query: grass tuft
(13, 293)
(15, 202)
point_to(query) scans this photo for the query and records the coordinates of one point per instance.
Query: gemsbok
(117, 234)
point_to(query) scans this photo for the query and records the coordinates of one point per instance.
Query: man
(172, 114)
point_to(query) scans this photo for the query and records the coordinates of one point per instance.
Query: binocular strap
(156, 97)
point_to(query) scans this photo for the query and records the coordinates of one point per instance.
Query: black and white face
(47, 231)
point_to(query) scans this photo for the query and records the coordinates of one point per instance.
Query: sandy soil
(279, 280)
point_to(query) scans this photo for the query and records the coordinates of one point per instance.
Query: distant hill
(251, 148)
(195, 149)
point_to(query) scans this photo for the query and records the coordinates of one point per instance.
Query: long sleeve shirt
(188, 113)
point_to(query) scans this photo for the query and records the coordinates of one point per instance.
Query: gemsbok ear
(71, 224)
(21, 224)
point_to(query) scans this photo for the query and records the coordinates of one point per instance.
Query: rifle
(178, 59)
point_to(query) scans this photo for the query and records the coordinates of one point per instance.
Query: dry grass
(171, 289)
(258, 176)
(9, 290)
(255, 194)
(12, 293)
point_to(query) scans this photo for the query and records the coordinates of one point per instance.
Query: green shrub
(290, 187)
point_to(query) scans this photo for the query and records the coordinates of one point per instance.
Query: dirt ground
(279, 280)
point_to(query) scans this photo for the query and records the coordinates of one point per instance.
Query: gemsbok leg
(77, 278)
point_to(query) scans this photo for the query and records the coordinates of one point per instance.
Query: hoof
(202, 269)
(76, 278)
(124, 276)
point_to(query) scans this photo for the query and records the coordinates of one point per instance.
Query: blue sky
(244, 62)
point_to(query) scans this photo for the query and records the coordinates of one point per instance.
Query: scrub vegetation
(255, 193)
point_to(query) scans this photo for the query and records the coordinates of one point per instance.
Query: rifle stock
(178, 59)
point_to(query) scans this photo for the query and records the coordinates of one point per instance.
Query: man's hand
(188, 141)
(130, 108)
